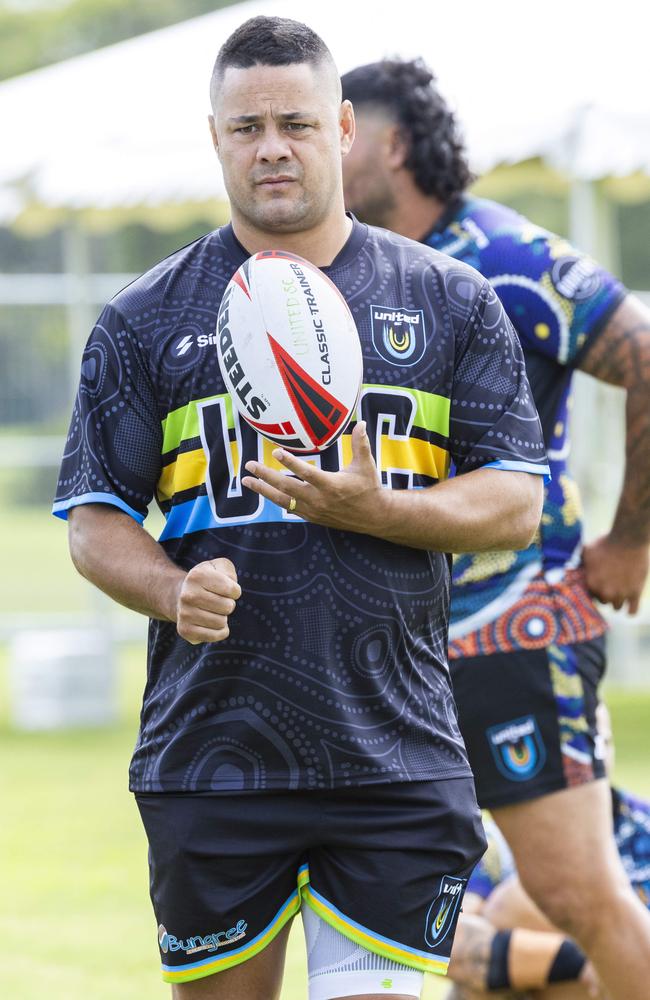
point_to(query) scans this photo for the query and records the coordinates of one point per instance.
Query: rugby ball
(289, 351)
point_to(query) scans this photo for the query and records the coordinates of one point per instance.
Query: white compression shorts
(339, 967)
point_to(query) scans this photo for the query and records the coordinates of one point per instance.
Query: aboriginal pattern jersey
(335, 670)
(558, 301)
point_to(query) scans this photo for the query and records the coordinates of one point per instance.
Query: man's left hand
(350, 500)
(616, 573)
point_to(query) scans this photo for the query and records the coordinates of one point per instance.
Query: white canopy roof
(126, 125)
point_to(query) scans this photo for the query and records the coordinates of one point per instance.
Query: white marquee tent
(126, 125)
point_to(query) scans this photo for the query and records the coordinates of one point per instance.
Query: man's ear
(213, 133)
(347, 126)
(397, 148)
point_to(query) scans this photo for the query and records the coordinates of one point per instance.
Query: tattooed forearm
(470, 956)
(621, 356)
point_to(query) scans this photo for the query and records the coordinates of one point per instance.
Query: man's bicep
(620, 353)
(99, 526)
(509, 485)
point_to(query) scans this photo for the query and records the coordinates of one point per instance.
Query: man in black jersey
(298, 738)
(526, 647)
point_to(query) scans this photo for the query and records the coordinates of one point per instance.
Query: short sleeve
(112, 452)
(493, 419)
(557, 298)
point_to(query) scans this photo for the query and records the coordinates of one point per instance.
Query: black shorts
(386, 865)
(528, 720)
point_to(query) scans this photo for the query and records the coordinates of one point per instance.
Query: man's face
(367, 173)
(280, 132)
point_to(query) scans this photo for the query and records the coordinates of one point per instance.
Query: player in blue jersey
(298, 738)
(507, 944)
(526, 638)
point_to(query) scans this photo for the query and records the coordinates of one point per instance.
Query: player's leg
(568, 863)
(223, 879)
(510, 906)
(340, 968)
(260, 976)
(387, 884)
(528, 719)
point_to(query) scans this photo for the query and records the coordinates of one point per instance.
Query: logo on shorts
(398, 334)
(201, 942)
(442, 912)
(518, 748)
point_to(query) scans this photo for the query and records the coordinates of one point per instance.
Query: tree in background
(35, 33)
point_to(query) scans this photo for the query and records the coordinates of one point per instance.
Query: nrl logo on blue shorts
(442, 912)
(518, 748)
(398, 334)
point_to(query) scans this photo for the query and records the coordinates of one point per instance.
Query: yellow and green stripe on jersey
(408, 430)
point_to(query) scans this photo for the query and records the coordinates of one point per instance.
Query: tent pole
(79, 309)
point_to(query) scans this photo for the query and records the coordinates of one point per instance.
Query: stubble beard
(278, 214)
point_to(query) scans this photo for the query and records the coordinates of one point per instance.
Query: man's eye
(246, 129)
(296, 126)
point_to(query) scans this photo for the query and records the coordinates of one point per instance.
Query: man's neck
(414, 214)
(319, 245)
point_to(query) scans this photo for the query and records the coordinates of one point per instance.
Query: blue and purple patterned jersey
(632, 832)
(335, 669)
(558, 301)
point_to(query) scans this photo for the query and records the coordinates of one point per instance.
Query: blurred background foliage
(35, 33)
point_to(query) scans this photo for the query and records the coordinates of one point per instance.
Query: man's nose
(273, 146)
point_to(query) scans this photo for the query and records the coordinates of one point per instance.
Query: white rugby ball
(289, 351)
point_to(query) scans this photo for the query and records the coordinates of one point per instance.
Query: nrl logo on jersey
(442, 912)
(398, 334)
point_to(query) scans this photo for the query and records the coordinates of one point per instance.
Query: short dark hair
(407, 90)
(269, 41)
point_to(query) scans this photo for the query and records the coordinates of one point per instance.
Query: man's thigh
(528, 718)
(564, 847)
(260, 976)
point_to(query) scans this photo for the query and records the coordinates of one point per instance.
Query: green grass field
(75, 918)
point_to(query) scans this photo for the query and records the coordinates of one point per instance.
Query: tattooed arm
(530, 958)
(616, 565)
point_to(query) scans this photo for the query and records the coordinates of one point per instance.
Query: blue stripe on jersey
(61, 508)
(539, 470)
(197, 515)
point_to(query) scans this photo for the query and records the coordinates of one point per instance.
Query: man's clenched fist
(206, 600)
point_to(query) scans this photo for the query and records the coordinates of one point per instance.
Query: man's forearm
(480, 511)
(116, 554)
(632, 520)
(620, 356)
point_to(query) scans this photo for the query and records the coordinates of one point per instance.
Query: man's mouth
(275, 181)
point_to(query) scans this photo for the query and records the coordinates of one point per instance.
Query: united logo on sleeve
(398, 334)
(442, 912)
(518, 748)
